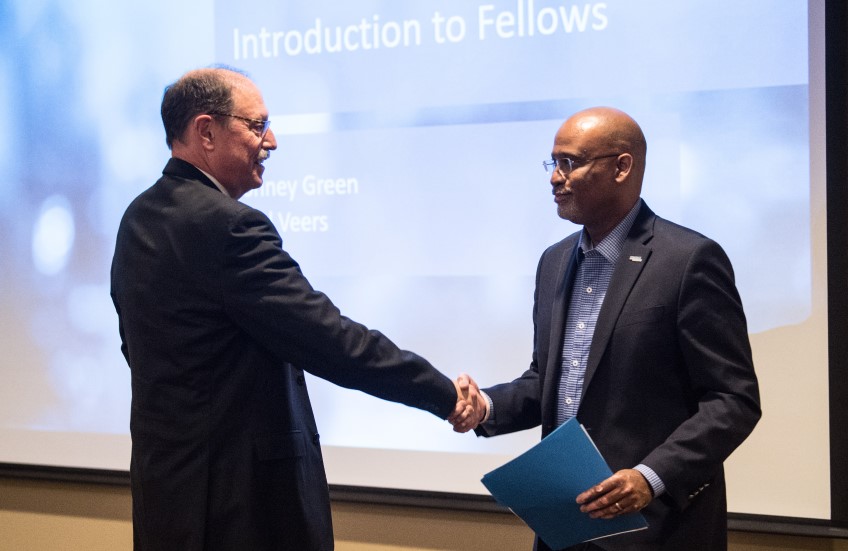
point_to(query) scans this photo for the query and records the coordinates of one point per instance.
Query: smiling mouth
(263, 156)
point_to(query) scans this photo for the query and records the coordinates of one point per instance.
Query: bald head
(609, 129)
(602, 180)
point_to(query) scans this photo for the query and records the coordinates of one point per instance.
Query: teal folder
(542, 484)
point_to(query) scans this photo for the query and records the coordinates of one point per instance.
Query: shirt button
(589, 290)
(581, 325)
(568, 401)
(574, 363)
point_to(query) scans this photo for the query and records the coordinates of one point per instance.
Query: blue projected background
(408, 185)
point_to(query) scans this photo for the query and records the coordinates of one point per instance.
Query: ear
(204, 131)
(623, 167)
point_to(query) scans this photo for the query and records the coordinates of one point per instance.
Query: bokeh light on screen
(53, 235)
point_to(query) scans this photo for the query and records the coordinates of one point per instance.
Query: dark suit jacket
(214, 317)
(669, 383)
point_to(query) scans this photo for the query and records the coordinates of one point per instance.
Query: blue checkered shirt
(594, 270)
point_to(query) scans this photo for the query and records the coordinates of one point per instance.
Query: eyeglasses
(258, 126)
(566, 164)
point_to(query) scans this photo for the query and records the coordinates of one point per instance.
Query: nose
(556, 177)
(269, 141)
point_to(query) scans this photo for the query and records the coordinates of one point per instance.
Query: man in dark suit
(640, 333)
(217, 324)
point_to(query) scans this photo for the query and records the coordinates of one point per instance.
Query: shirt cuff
(657, 485)
(490, 411)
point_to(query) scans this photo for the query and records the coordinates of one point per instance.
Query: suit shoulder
(685, 244)
(666, 230)
(203, 200)
(562, 246)
(197, 212)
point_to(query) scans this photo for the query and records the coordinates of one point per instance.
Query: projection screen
(408, 185)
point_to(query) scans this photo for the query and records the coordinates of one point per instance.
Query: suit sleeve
(713, 338)
(263, 290)
(124, 348)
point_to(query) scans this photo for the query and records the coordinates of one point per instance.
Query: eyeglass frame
(265, 124)
(554, 164)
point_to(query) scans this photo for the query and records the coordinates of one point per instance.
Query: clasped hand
(471, 407)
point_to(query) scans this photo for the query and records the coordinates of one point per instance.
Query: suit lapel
(564, 283)
(635, 254)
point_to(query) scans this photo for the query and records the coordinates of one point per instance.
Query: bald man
(217, 325)
(640, 334)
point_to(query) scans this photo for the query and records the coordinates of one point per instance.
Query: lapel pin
(635, 259)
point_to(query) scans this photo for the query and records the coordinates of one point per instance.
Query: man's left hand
(625, 492)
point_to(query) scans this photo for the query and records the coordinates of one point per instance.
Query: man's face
(242, 149)
(586, 195)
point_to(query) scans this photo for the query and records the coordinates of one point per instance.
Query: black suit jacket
(669, 383)
(214, 317)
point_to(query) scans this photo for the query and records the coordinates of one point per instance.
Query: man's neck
(597, 234)
(204, 169)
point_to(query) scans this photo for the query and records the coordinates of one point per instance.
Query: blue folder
(542, 484)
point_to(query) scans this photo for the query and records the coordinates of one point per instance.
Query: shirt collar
(611, 245)
(214, 181)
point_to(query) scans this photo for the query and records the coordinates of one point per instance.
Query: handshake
(472, 406)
